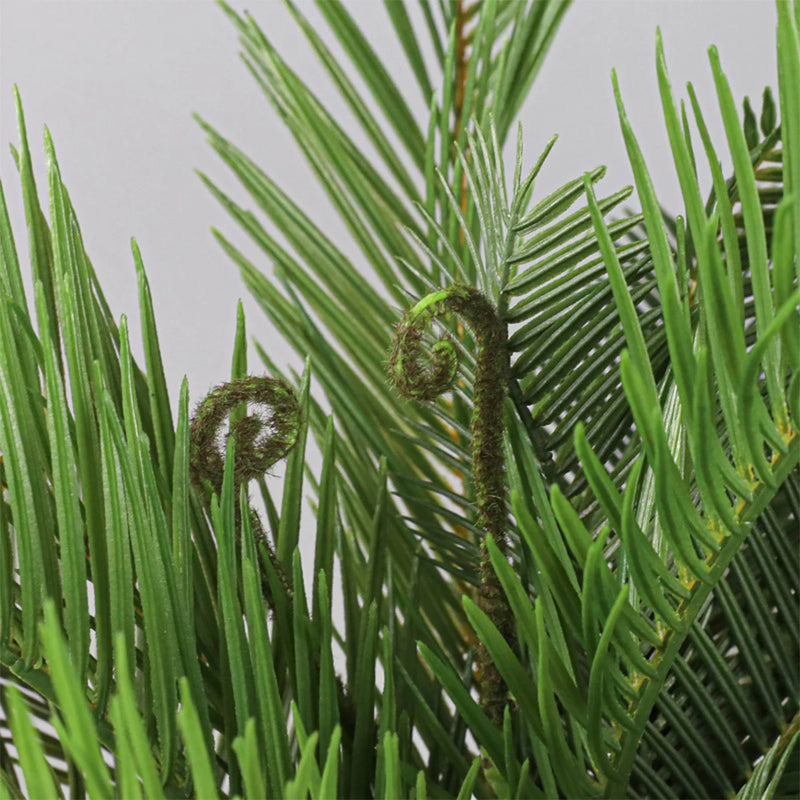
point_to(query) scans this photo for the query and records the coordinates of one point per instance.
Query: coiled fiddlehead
(423, 376)
(261, 441)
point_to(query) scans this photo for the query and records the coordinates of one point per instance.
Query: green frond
(619, 576)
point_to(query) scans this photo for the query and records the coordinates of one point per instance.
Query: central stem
(422, 376)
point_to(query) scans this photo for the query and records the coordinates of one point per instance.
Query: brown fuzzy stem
(261, 441)
(423, 376)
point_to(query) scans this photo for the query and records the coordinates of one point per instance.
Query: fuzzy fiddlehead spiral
(261, 441)
(422, 375)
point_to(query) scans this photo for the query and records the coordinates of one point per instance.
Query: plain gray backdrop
(117, 82)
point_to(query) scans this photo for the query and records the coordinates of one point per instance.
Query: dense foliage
(558, 500)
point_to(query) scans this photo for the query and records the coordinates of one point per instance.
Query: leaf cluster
(155, 640)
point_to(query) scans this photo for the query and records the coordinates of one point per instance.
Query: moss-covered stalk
(421, 375)
(261, 441)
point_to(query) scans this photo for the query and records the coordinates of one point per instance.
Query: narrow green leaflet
(128, 725)
(70, 524)
(189, 724)
(77, 732)
(38, 775)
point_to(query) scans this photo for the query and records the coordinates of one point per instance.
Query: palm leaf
(650, 445)
(625, 683)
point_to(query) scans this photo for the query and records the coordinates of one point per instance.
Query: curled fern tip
(423, 375)
(261, 440)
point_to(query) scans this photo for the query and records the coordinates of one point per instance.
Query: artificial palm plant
(558, 500)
